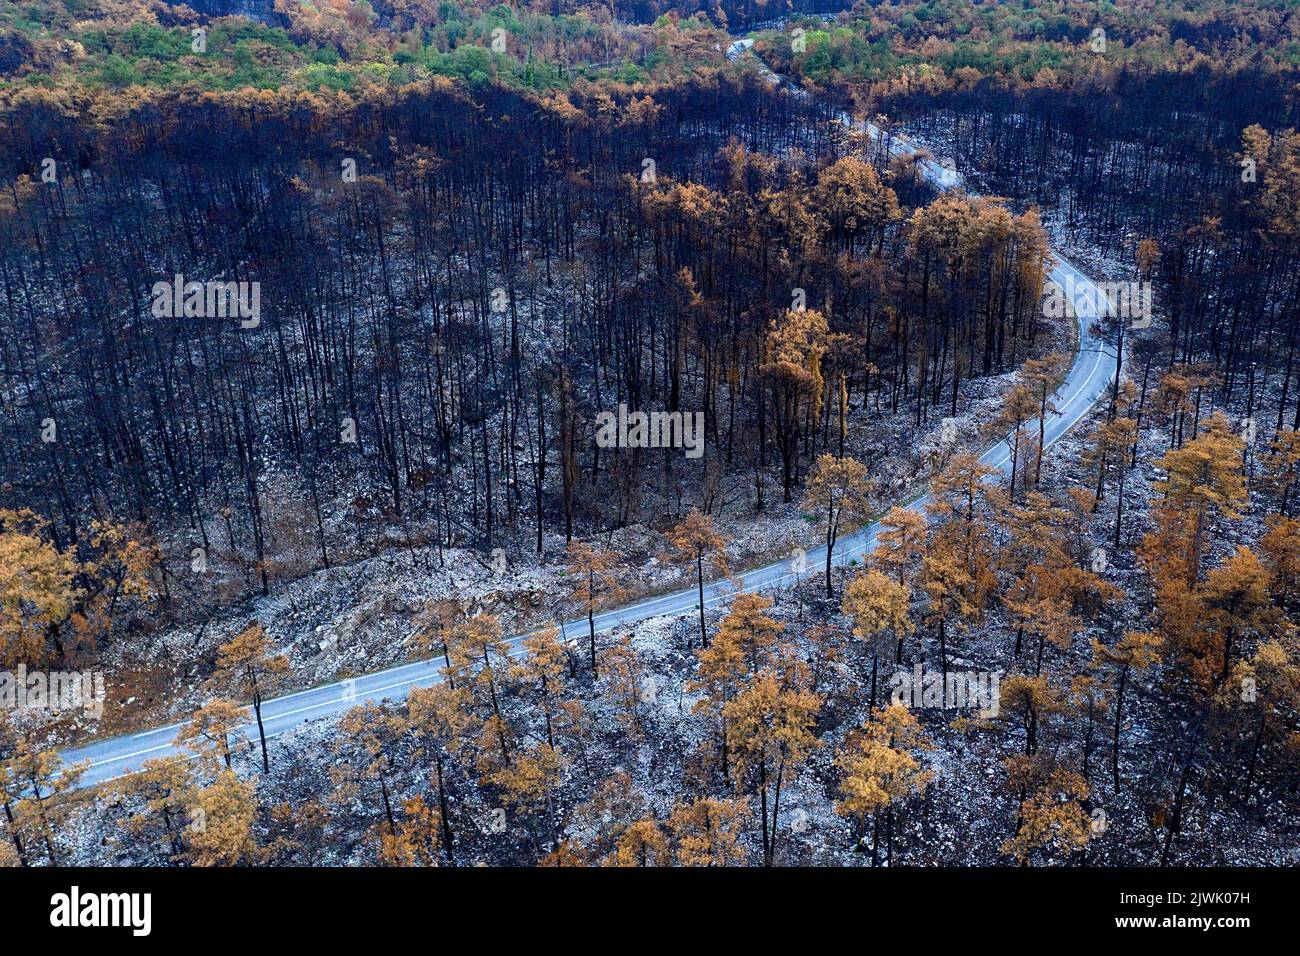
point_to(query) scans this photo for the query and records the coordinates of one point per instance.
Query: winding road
(1086, 383)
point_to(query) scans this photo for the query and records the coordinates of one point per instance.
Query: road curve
(1086, 383)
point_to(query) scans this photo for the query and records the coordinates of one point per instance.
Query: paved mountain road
(1086, 383)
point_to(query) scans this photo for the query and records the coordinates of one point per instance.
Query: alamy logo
(52, 691)
(651, 430)
(1124, 300)
(74, 909)
(954, 691)
(179, 299)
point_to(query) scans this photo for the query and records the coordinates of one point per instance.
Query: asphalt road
(1086, 383)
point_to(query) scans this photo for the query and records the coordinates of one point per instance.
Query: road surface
(1087, 382)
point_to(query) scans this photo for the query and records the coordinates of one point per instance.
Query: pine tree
(840, 488)
(540, 675)
(10, 741)
(439, 717)
(247, 665)
(1204, 479)
(1236, 595)
(771, 723)
(529, 780)
(623, 681)
(615, 803)
(1018, 408)
(793, 353)
(480, 657)
(878, 607)
(433, 631)
(208, 732)
(696, 540)
(1267, 688)
(38, 590)
(879, 770)
(165, 788)
(33, 785)
(946, 581)
(295, 834)
(961, 507)
(223, 813)
(417, 838)
(369, 735)
(595, 580)
(641, 844)
(566, 854)
(1281, 547)
(1041, 378)
(1110, 442)
(706, 832)
(853, 202)
(1030, 701)
(900, 541)
(1051, 817)
(746, 643)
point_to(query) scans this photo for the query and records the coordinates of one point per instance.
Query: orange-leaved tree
(879, 608)
(696, 540)
(880, 769)
(841, 489)
(595, 580)
(246, 664)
